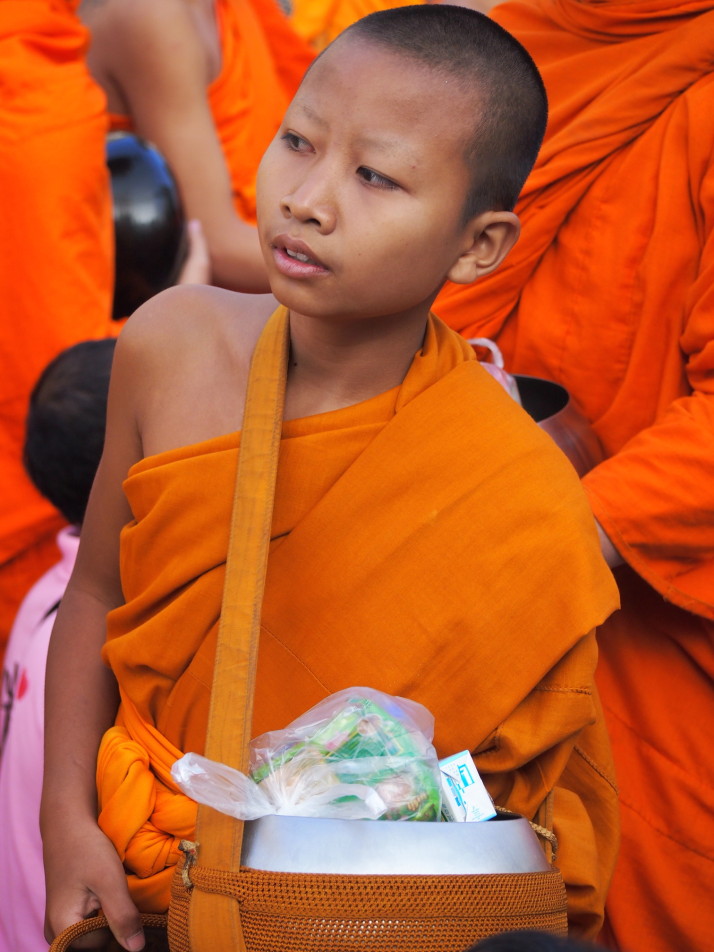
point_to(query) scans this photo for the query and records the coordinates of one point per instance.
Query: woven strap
(214, 919)
(550, 840)
(65, 939)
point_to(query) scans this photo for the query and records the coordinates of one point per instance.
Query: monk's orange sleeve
(291, 51)
(56, 253)
(655, 497)
(551, 742)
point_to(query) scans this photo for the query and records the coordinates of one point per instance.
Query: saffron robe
(263, 61)
(476, 595)
(610, 292)
(56, 255)
(320, 21)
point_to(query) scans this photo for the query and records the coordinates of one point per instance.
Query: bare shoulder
(189, 349)
(203, 310)
(131, 34)
(127, 14)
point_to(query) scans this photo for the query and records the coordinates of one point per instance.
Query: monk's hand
(84, 875)
(609, 552)
(197, 266)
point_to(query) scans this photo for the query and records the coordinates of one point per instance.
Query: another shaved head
(485, 61)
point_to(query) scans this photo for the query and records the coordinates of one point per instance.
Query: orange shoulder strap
(214, 920)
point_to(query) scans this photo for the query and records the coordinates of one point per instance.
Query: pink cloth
(22, 881)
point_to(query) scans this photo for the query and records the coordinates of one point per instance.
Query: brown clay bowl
(550, 406)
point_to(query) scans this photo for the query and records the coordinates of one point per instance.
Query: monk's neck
(335, 366)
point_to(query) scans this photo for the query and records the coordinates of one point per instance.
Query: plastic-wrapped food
(358, 754)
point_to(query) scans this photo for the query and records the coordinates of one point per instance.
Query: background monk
(207, 81)
(64, 435)
(611, 293)
(477, 596)
(55, 250)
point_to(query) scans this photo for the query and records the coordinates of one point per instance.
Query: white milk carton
(464, 796)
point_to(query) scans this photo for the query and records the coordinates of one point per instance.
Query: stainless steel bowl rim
(383, 847)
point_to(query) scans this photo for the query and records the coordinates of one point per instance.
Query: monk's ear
(490, 236)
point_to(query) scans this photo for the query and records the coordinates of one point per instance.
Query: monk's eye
(295, 142)
(374, 178)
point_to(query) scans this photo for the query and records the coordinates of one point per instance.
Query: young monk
(476, 595)
(207, 81)
(55, 251)
(610, 293)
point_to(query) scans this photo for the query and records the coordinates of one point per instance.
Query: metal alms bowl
(285, 844)
(149, 222)
(550, 406)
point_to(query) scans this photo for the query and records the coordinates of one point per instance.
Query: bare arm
(197, 267)
(83, 870)
(480, 6)
(150, 58)
(609, 552)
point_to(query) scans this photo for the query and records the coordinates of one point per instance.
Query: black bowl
(149, 222)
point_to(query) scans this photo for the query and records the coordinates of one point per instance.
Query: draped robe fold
(262, 63)
(56, 259)
(610, 292)
(445, 556)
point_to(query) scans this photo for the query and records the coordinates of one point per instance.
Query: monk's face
(361, 193)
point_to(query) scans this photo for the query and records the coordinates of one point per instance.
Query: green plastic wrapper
(359, 737)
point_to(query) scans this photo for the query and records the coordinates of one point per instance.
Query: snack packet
(464, 795)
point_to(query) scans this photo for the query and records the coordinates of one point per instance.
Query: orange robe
(262, 63)
(476, 596)
(320, 21)
(611, 293)
(56, 258)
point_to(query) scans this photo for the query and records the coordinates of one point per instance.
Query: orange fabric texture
(610, 292)
(320, 21)
(263, 61)
(476, 596)
(56, 260)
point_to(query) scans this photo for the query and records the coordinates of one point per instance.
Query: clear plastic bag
(359, 754)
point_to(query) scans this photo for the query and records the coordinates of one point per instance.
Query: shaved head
(483, 61)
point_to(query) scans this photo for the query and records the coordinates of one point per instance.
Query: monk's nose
(310, 202)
